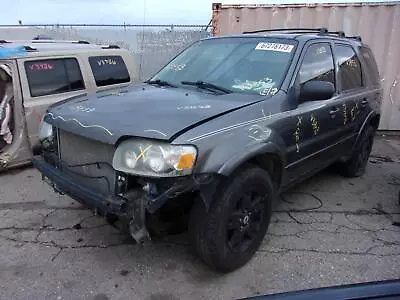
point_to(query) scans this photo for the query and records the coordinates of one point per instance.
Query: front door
(316, 125)
(14, 146)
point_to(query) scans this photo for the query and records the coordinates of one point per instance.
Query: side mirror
(316, 90)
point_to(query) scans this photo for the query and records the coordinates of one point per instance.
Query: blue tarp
(9, 52)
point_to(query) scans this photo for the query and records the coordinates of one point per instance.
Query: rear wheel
(227, 236)
(357, 163)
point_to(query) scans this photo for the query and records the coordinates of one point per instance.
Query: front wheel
(357, 163)
(228, 235)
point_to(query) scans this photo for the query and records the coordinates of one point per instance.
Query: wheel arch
(373, 120)
(269, 157)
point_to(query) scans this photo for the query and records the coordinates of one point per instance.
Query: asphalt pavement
(327, 231)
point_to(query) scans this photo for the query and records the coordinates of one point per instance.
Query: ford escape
(218, 133)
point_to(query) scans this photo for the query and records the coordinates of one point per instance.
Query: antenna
(141, 46)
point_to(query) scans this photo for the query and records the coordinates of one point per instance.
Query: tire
(356, 165)
(216, 235)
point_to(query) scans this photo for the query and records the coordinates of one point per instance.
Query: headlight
(152, 158)
(45, 131)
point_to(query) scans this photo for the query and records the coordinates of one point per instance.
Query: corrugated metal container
(377, 23)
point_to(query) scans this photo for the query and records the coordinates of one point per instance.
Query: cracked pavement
(329, 230)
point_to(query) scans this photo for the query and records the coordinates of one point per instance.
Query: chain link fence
(152, 46)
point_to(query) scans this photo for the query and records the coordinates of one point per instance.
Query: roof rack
(320, 31)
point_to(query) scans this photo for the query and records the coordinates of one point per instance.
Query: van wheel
(227, 236)
(356, 165)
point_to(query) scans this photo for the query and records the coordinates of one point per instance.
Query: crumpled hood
(142, 111)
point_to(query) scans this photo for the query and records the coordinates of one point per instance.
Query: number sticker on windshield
(274, 47)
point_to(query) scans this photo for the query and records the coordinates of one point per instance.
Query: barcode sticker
(274, 47)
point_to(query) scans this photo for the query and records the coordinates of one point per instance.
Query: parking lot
(329, 230)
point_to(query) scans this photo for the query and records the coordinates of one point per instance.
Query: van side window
(317, 65)
(53, 76)
(109, 70)
(349, 67)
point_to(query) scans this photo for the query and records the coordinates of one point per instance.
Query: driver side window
(317, 65)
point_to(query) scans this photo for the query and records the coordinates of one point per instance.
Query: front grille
(88, 161)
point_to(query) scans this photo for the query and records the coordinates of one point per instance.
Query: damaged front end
(129, 182)
(146, 196)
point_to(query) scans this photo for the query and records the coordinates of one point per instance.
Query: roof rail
(42, 37)
(111, 47)
(320, 30)
(356, 37)
(30, 49)
(59, 41)
(44, 41)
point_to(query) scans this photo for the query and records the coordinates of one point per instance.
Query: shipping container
(377, 23)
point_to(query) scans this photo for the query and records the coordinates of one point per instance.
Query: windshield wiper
(160, 83)
(207, 85)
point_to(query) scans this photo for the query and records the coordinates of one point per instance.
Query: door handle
(333, 111)
(364, 103)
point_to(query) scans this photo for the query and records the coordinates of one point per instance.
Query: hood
(142, 111)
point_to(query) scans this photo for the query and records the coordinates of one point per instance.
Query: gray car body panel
(108, 117)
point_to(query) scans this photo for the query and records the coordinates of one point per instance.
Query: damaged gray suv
(216, 135)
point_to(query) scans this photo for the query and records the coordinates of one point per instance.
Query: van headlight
(155, 159)
(45, 131)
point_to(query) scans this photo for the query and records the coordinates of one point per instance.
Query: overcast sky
(117, 11)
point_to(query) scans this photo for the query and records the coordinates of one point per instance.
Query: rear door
(371, 80)
(352, 89)
(46, 81)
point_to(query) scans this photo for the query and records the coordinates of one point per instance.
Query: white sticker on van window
(107, 61)
(274, 47)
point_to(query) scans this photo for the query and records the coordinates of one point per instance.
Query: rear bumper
(61, 182)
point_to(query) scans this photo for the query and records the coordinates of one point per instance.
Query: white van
(36, 74)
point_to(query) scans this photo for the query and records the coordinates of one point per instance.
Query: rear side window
(317, 65)
(370, 64)
(53, 76)
(109, 70)
(349, 68)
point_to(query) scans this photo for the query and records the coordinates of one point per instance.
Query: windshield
(247, 65)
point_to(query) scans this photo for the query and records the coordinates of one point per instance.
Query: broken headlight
(45, 131)
(152, 158)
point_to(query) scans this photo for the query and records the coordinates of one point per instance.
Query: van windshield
(243, 65)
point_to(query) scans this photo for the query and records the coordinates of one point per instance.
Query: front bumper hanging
(63, 183)
(130, 211)
(131, 206)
